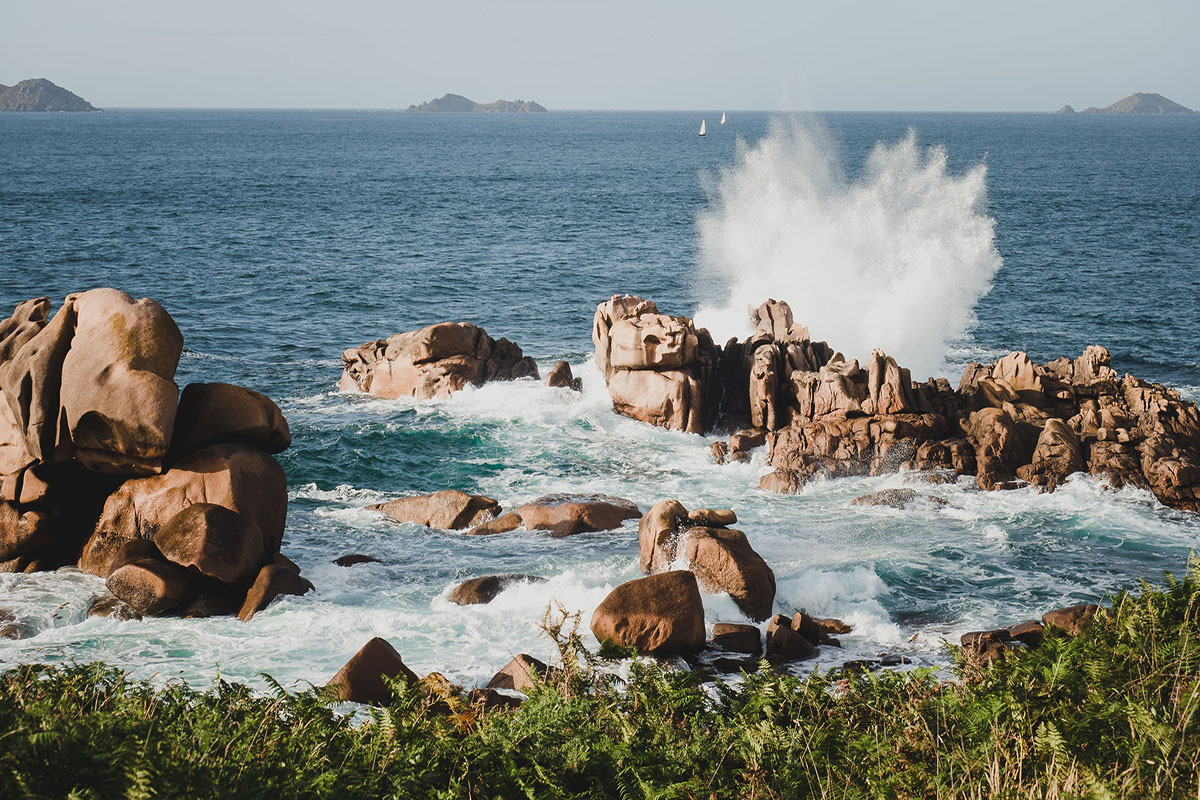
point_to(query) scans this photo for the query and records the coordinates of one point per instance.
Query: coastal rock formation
(659, 614)
(458, 103)
(720, 557)
(433, 362)
(178, 504)
(564, 515)
(737, 638)
(39, 94)
(659, 369)
(448, 509)
(1008, 424)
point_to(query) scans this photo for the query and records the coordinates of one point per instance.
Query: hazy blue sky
(827, 55)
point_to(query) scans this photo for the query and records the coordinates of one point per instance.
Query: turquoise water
(278, 239)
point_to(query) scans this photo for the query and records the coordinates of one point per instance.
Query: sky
(830, 55)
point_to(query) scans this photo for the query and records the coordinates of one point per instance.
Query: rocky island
(1136, 103)
(458, 103)
(39, 94)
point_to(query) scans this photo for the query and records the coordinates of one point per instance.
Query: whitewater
(892, 245)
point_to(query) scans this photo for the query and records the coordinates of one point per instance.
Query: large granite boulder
(477, 591)
(659, 368)
(218, 413)
(564, 515)
(448, 509)
(659, 614)
(217, 542)
(433, 362)
(361, 680)
(95, 383)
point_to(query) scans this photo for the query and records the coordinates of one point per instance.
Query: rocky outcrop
(980, 648)
(448, 509)
(175, 502)
(721, 558)
(477, 591)
(659, 614)
(564, 515)
(659, 368)
(433, 362)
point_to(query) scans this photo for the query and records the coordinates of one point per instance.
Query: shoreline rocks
(448, 509)
(433, 362)
(564, 515)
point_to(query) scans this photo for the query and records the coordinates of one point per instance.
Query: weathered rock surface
(448, 509)
(99, 457)
(272, 581)
(721, 558)
(151, 586)
(658, 614)
(659, 368)
(220, 413)
(214, 540)
(477, 591)
(895, 498)
(1072, 619)
(433, 362)
(361, 680)
(565, 515)
(785, 644)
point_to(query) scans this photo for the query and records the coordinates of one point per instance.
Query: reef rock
(433, 362)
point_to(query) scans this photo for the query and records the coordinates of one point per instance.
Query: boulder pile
(175, 500)
(433, 362)
(1007, 424)
(721, 558)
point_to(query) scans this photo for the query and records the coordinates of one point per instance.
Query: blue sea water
(278, 239)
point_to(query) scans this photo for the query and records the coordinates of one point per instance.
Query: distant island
(456, 102)
(39, 94)
(1136, 103)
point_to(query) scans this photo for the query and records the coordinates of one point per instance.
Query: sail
(701, 127)
(722, 117)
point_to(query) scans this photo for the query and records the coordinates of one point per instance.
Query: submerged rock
(433, 362)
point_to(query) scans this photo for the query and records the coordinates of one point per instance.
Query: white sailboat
(701, 127)
(722, 117)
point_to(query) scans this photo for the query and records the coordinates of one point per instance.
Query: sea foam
(896, 258)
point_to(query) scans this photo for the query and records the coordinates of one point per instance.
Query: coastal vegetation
(1109, 713)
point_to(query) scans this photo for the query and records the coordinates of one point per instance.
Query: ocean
(277, 239)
